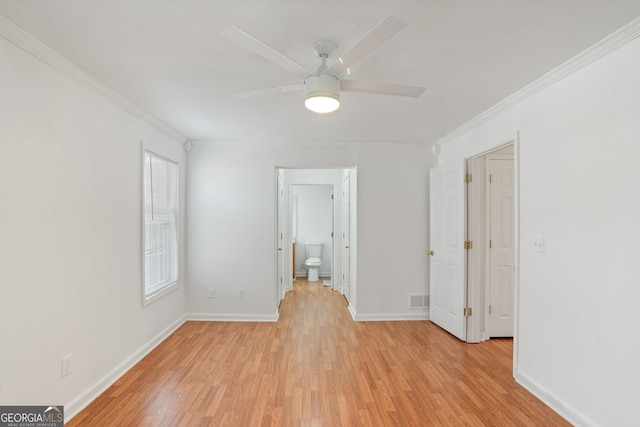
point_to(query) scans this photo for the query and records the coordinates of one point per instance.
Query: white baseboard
(72, 408)
(419, 315)
(352, 311)
(565, 410)
(326, 274)
(209, 317)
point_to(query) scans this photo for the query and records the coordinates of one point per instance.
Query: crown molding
(25, 41)
(600, 49)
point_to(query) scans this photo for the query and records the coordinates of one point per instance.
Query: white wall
(232, 203)
(70, 245)
(578, 344)
(393, 229)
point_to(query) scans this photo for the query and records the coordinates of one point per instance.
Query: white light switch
(538, 244)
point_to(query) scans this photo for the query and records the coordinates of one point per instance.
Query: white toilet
(314, 260)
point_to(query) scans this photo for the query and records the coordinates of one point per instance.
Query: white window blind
(160, 224)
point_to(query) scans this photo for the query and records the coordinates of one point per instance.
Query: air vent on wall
(418, 301)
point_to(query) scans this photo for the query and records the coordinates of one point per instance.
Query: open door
(447, 230)
(501, 245)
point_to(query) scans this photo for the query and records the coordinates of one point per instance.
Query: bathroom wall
(314, 223)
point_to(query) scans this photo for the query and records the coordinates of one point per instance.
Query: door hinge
(490, 179)
(489, 244)
(467, 244)
(490, 309)
(467, 177)
(467, 311)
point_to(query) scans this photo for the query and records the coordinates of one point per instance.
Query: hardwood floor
(316, 367)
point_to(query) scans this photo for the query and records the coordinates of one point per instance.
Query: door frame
(345, 235)
(334, 227)
(295, 176)
(476, 225)
(280, 237)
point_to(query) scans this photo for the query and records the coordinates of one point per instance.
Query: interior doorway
(297, 189)
(492, 228)
(312, 223)
(473, 245)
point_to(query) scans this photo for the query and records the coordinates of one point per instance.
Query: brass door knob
(346, 247)
(430, 253)
(280, 249)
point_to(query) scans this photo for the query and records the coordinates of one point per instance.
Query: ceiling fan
(323, 86)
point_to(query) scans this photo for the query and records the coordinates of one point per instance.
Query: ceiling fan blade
(381, 88)
(269, 91)
(256, 46)
(360, 52)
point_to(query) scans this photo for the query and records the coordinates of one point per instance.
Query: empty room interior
(329, 213)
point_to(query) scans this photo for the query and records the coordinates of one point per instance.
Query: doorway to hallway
(314, 206)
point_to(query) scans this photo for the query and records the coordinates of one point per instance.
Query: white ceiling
(169, 58)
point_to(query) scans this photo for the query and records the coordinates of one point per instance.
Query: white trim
(564, 409)
(321, 275)
(209, 317)
(72, 408)
(25, 41)
(516, 237)
(352, 311)
(602, 48)
(476, 233)
(422, 315)
(168, 288)
(477, 284)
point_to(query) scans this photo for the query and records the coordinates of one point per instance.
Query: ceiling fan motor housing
(322, 84)
(325, 87)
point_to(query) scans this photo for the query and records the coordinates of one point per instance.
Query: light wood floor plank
(316, 367)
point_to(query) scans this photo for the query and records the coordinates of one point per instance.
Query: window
(160, 225)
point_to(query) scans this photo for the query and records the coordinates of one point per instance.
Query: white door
(448, 293)
(280, 238)
(346, 289)
(501, 247)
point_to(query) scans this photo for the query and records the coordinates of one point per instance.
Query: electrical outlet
(538, 244)
(240, 293)
(66, 365)
(211, 293)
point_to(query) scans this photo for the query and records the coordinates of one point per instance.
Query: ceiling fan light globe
(319, 103)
